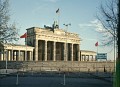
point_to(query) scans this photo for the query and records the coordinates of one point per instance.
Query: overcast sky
(80, 13)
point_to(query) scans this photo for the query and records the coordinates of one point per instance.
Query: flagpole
(97, 49)
(96, 44)
(26, 47)
(25, 36)
(58, 16)
(58, 19)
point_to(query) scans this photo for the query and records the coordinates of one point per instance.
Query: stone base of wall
(60, 66)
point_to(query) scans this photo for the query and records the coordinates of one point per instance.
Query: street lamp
(66, 46)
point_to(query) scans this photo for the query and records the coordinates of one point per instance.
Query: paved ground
(55, 80)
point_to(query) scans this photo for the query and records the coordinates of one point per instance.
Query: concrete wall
(61, 66)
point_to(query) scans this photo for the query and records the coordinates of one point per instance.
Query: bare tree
(8, 31)
(109, 19)
(117, 79)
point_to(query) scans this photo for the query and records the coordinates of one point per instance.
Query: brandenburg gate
(53, 44)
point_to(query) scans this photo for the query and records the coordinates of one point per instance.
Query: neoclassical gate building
(46, 44)
(53, 44)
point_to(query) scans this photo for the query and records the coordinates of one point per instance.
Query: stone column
(31, 55)
(8, 55)
(25, 55)
(22, 56)
(36, 50)
(15, 56)
(45, 52)
(65, 52)
(54, 51)
(81, 57)
(19, 57)
(84, 57)
(11, 57)
(95, 57)
(78, 52)
(71, 52)
(4, 55)
(1, 56)
(91, 58)
(88, 58)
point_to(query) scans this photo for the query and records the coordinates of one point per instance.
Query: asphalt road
(53, 80)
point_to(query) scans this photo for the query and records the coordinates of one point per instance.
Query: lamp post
(66, 46)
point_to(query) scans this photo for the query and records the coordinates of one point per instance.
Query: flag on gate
(24, 36)
(96, 44)
(57, 11)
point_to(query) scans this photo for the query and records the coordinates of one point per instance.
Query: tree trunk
(117, 79)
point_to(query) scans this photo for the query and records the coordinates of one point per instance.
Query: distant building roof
(87, 51)
(12, 44)
(15, 46)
